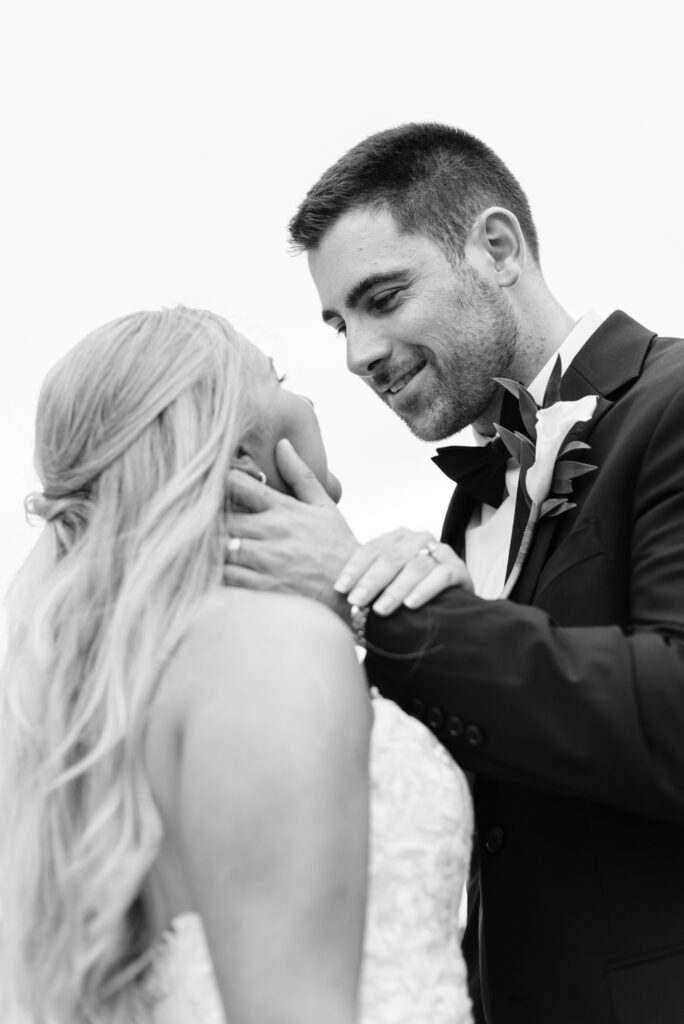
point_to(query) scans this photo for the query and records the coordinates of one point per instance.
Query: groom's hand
(287, 543)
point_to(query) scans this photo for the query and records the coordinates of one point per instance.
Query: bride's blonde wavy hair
(135, 431)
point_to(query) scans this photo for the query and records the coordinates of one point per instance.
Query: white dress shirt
(488, 534)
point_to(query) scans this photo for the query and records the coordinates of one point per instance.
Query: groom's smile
(398, 381)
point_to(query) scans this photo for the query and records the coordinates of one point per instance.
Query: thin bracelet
(357, 620)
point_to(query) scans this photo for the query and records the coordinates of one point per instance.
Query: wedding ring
(233, 549)
(429, 551)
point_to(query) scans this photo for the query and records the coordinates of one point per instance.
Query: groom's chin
(430, 426)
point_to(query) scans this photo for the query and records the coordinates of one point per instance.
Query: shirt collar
(576, 339)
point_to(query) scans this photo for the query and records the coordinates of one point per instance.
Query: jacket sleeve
(593, 712)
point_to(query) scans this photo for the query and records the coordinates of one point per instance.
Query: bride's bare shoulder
(263, 609)
(248, 623)
(243, 639)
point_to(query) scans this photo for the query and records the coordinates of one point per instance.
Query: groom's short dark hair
(433, 179)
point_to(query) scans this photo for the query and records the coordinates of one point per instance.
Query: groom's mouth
(401, 382)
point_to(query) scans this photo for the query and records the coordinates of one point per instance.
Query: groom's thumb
(297, 475)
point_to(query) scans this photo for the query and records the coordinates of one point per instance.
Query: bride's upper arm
(273, 802)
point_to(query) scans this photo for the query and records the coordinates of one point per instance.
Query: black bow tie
(481, 471)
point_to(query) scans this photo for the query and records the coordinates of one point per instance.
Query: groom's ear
(496, 246)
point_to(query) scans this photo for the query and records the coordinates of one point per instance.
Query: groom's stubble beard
(476, 343)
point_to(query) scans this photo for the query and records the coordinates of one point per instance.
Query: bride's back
(257, 755)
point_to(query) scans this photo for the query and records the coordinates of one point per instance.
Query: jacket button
(474, 736)
(416, 708)
(435, 717)
(494, 839)
(454, 727)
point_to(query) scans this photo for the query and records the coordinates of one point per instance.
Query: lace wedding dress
(421, 826)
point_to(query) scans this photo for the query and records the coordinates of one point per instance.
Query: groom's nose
(367, 347)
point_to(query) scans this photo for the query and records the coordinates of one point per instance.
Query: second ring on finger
(429, 549)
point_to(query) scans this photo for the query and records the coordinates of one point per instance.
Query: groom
(566, 699)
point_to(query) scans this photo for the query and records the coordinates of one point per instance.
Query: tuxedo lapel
(610, 361)
(457, 518)
(520, 517)
(606, 366)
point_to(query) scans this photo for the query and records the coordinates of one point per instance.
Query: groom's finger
(250, 525)
(298, 477)
(240, 576)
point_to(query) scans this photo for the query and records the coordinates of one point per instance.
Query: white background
(152, 153)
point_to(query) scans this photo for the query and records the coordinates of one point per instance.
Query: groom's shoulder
(642, 356)
(653, 401)
(663, 369)
(667, 350)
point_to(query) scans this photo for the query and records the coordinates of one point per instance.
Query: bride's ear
(244, 461)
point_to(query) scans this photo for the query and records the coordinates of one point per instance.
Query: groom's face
(426, 334)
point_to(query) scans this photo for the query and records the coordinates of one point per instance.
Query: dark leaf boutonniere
(547, 463)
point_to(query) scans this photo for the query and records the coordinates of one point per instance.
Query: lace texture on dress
(421, 828)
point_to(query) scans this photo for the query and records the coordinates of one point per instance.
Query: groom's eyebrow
(355, 294)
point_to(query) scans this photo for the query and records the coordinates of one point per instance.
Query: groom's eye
(340, 328)
(384, 301)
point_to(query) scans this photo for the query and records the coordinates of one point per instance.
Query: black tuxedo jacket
(566, 702)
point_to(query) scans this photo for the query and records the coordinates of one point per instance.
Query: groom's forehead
(359, 232)
(360, 245)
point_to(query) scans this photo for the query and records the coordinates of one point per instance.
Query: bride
(205, 817)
